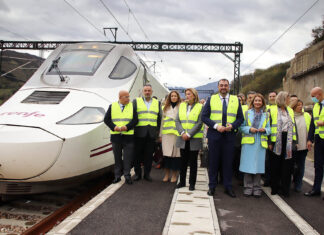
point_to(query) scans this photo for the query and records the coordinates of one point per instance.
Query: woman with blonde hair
(283, 137)
(190, 129)
(255, 130)
(303, 121)
(168, 135)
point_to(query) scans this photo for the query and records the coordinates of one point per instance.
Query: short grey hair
(281, 98)
(251, 93)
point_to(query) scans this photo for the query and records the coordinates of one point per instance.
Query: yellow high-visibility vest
(216, 109)
(308, 120)
(268, 106)
(147, 117)
(274, 118)
(245, 108)
(169, 126)
(249, 138)
(121, 118)
(319, 130)
(189, 122)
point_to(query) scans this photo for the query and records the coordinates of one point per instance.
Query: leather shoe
(312, 193)
(180, 185)
(148, 178)
(116, 180)
(230, 192)
(128, 180)
(191, 187)
(137, 177)
(211, 192)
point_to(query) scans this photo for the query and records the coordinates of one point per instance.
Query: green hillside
(11, 82)
(265, 80)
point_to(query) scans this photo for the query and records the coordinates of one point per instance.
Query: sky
(257, 24)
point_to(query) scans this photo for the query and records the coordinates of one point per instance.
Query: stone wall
(306, 71)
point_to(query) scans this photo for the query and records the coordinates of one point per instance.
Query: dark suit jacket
(152, 131)
(213, 133)
(130, 125)
(311, 131)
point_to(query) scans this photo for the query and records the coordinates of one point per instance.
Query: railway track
(37, 214)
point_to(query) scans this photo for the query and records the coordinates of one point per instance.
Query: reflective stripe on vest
(274, 124)
(121, 118)
(245, 108)
(308, 120)
(319, 130)
(189, 122)
(169, 126)
(216, 108)
(249, 138)
(147, 117)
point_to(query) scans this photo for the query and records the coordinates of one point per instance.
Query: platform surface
(159, 208)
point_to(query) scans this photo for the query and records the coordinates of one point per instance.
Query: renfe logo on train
(23, 114)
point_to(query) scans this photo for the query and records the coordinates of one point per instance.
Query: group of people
(275, 138)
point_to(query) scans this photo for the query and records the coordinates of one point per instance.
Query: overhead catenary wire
(141, 28)
(139, 25)
(281, 35)
(17, 34)
(121, 26)
(84, 17)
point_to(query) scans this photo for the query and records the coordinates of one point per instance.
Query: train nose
(26, 152)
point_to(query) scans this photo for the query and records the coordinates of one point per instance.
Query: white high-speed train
(52, 132)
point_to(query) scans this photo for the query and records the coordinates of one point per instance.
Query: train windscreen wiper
(55, 66)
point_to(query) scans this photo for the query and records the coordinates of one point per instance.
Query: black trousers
(190, 157)
(221, 153)
(318, 163)
(281, 169)
(144, 149)
(267, 174)
(123, 154)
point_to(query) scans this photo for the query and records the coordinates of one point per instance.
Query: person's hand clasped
(117, 128)
(253, 130)
(228, 127)
(123, 128)
(185, 137)
(261, 130)
(221, 129)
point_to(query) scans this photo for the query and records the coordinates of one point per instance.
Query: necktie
(320, 107)
(123, 106)
(224, 117)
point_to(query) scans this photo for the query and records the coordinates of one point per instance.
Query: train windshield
(80, 59)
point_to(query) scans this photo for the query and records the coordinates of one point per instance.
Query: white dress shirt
(226, 100)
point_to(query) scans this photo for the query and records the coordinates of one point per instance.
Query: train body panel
(52, 130)
(17, 144)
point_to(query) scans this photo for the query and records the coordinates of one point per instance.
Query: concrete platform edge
(299, 222)
(74, 219)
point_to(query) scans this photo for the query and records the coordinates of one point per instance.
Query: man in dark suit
(121, 118)
(222, 114)
(146, 131)
(316, 134)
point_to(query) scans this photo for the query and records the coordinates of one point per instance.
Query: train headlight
(86, 115)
